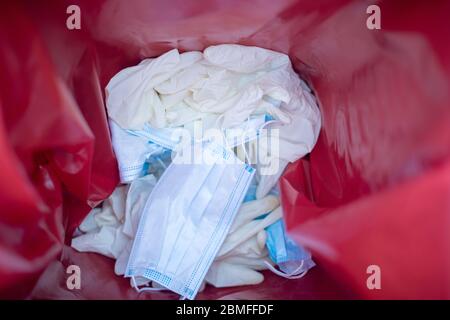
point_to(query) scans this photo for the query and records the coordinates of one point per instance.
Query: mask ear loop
(265, 124)
(292, 275)
(246, 156)
(269, 122)
(243, 142)
(227, 146)
(217, 120)
(135, 286)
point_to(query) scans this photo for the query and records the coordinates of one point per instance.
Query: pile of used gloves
(201, 140)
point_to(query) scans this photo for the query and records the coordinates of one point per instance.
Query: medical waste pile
(201, 140)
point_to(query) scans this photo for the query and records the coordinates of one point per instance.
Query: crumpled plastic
(374, 191)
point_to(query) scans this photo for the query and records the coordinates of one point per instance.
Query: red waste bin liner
(375, 191)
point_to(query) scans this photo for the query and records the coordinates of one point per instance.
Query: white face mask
(132, 152)
(186, 219)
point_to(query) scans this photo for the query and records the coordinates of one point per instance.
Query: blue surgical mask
(251, 193)
(169, 138)
(293, 260)
(186, 219)
(164, 137)
(133, 153)
(158, 163)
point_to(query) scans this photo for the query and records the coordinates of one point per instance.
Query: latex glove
(108, 241)
(253, 248)
(253, 209)
(131, 100)
(89, 224)
(246, 231)
(224, 274)
(113, 237)
(268, 182)
(113, 209)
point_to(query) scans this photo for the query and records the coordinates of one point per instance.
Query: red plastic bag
(375, 191)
